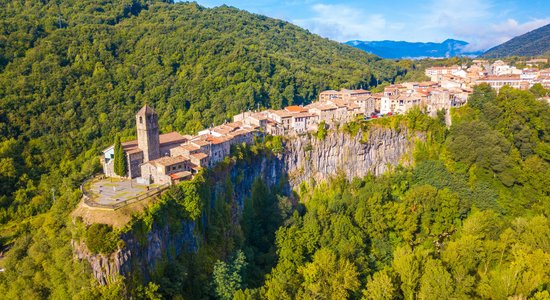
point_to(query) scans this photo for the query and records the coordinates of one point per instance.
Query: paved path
(114, 190)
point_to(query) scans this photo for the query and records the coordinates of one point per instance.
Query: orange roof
(190, 147)
(338, 102)
(304, 115)
(216, 140)
(134, 151)
(258, 116)
(130, 145)
(200, 143)
(180, 175)
(500, 77)
(281, 113)
(172, 137)
(427, 83)
(294, 109)
(358, 91)
(222, 129)
(164, 139)
(235, 124)
(169, 160)
(199, 155)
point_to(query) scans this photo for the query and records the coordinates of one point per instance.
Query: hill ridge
(532, 43)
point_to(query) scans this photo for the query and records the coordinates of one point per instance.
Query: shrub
(100, 238)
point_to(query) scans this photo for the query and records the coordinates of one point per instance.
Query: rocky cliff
(140, 254)
(373, 152)
(303, 157)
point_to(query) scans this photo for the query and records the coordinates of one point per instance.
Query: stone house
(166, 169)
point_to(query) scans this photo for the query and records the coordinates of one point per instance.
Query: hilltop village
(173, 157)
(496, 74)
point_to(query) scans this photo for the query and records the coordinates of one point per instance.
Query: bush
(322, 131)
(100, 238)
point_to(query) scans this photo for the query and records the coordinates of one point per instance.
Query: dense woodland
(470, 219)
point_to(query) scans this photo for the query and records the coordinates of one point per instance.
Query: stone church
(149, 145)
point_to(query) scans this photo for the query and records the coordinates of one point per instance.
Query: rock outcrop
(374, 152)
(303, 157)
(140, 253)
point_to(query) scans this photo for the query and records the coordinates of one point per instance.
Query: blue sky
(483, 23)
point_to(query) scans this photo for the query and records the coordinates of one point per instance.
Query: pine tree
(120, 158)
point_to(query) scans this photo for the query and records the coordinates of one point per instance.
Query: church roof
(165, 139)
(171, 137)
(146, 110)
(168, 160)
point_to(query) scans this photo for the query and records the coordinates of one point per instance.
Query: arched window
(140, 120)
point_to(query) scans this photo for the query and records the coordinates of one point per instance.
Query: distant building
(497, 82)
(436, 73)
(537, 61)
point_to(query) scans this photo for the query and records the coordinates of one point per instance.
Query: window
(140, 120)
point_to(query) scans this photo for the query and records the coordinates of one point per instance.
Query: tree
(228, 277)
(538, 90)
(329, 277)
(322, 130)
(436, 282)
(120, 164)
(482, 95)
(379, 287)
(408, 264)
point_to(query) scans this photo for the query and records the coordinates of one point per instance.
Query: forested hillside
(73, 74)
(533, 43)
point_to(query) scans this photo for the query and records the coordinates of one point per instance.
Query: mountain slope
(395, 49)
(533, 43)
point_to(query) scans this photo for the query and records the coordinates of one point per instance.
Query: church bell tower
(148, 133)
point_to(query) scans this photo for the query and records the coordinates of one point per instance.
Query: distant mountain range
(533, 43)
(400, 49)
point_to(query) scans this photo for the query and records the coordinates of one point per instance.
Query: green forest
(469, 220)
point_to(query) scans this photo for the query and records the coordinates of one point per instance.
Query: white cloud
(476, 21)
(344, 23)
(482, 23)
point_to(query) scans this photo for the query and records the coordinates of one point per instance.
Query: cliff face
(307, 157)
(140, 253)
(303, 157)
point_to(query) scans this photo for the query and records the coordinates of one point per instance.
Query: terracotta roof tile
(169, 160)
(295, 109)
(199, 155)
